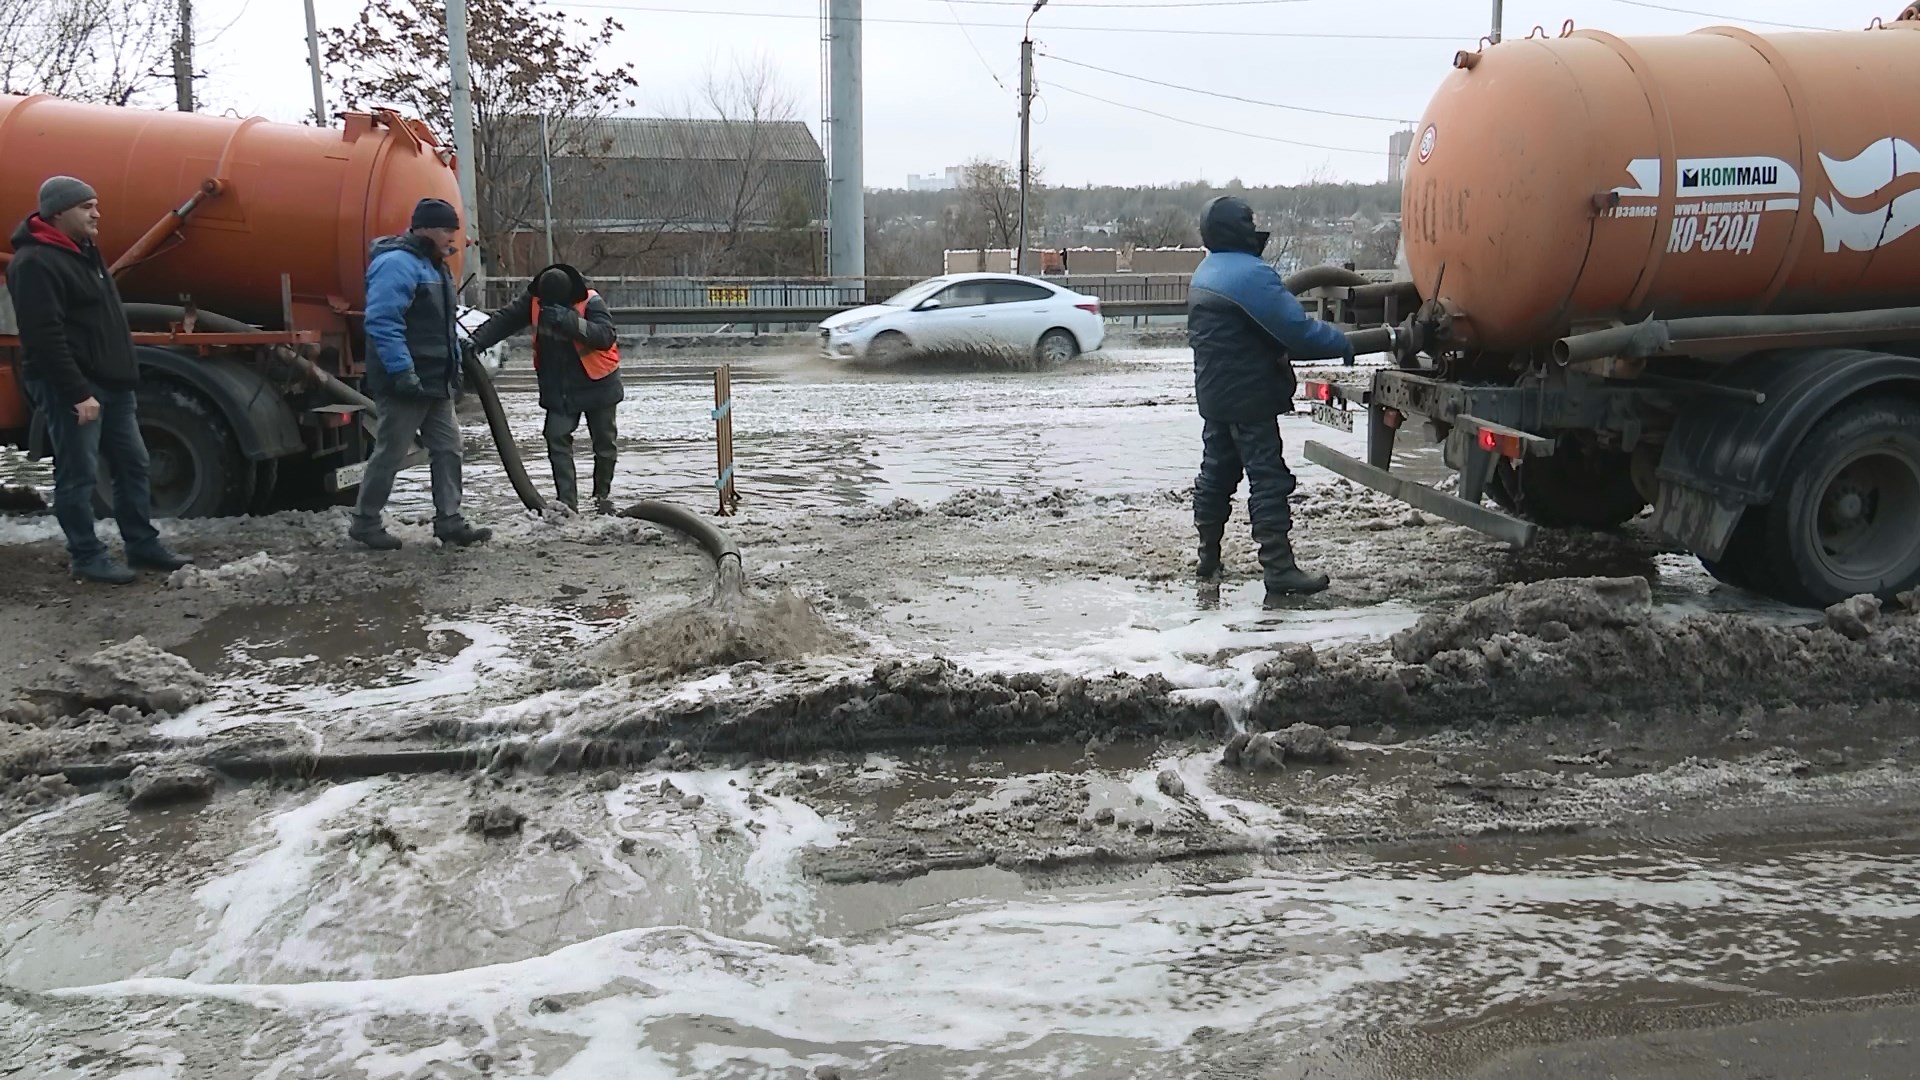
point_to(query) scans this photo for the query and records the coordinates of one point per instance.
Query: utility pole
(320, 117)
(183, 58)
(546, 182)
(1498, 20)
(463, 145)
(1026, 128)
(846, 179)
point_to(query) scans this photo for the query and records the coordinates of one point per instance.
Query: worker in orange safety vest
(576, 356)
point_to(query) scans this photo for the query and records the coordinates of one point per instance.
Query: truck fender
(1726, 453)
(262, 421)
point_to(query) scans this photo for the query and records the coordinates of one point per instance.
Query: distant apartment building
(1399, 145)
(940, 181)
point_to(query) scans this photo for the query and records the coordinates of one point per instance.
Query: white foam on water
(781, 829)
(269, 880)
(1258, 953)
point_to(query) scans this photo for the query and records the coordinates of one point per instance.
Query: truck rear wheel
(1846, 517)
(197, 467)
(1577, 486)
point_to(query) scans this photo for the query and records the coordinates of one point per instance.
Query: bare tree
(744, 189)
(528, 61)
(1297, 237)
(107, 51)
(1168, 226)
(988, 212)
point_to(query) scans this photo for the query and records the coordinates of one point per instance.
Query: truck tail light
(1507, 446)
(1324, 391)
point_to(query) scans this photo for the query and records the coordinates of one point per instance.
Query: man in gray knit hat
(81, 375)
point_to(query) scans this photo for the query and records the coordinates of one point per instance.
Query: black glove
(561, 320)
(407, 384)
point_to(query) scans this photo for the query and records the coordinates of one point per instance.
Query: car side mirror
(929, 304)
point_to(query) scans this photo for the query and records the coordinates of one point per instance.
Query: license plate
(349, 476)
(1332, 417)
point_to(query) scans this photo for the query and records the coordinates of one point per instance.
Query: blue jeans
(78, 450)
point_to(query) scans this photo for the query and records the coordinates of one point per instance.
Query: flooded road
(898, 878)
(637, 934)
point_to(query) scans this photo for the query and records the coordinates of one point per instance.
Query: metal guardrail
(822, 292)
(769, 315)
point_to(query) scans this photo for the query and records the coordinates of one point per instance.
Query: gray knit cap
(61, 194)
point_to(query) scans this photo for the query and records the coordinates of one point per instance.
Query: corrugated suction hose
(730, 576)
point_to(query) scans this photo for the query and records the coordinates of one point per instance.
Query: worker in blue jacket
(1246, 329)
(413, 372)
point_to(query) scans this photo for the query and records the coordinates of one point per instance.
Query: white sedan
(963, 311)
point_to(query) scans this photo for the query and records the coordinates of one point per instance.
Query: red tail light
(1091, 307)
(1323, 391)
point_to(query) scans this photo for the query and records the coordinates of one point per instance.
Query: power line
(1058, 59)
(991, 73)
(1717, 15)
(1051, 28)
(1055, 85)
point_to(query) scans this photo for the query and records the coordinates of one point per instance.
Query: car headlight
(855, 326)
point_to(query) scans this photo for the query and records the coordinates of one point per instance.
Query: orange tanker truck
(240, 247)
(1679, 272)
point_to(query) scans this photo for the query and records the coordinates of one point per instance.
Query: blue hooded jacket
(1243, 324)
(412, 317)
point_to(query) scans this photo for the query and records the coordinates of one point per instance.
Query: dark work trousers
(1228, 451)
(78, 450)
(605, 436)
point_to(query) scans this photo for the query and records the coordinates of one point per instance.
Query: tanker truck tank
(241, 248)
(302, 201)
(1561, 184)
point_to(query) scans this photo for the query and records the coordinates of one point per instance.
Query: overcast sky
(939, 92)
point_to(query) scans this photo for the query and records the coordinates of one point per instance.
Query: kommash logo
(1730, 176)
(1722, 204)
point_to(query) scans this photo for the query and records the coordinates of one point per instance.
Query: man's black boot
(376, 538)
(156, 556)
(1210, 537)
(102, 570)
(464, 536)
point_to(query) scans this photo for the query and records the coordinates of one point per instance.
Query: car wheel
(889, 347)
(1056, 347)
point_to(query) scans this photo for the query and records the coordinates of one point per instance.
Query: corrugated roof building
(625, 177)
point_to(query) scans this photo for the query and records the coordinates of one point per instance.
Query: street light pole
(313, 60)
(1026, 126)
(463, 141)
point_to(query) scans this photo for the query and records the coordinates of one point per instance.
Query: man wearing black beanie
(413, 371)
(81, 375)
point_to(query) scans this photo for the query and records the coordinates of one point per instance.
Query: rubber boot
(603, 486)
(1284, 576)
(1210, 537)
(102, 570)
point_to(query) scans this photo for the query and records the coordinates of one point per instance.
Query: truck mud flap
(1438, 503)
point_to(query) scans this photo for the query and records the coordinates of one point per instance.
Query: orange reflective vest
(599, 363)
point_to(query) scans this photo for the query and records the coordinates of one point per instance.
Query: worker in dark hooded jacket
(1246, 329)
(576, 356)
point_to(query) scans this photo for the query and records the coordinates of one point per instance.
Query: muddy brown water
(621, 931)
(360, 930)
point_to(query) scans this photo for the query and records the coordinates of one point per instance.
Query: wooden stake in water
(723, 437)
